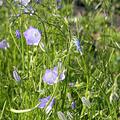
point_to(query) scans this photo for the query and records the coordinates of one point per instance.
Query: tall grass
(94, 75)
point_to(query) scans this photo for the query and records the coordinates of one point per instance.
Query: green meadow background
(95, 74)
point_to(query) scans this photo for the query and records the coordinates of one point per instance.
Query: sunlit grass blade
(23, 111)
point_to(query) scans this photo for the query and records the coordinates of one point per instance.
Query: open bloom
(52, 76)
(16, 76)
(4, 44)
(32, 36)
(43, 103)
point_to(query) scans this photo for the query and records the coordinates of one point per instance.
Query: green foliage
(95, 74)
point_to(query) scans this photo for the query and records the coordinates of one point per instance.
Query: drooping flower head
(52, 76)
(4, 44)
(18, 35)
(16, 76)
(32, 36)
(44, 101)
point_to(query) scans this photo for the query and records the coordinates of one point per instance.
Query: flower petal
(49, 77)
(32, 36)
(43, 102)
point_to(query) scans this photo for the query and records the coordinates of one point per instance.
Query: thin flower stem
(23, 111)
(22, 42)
(1, 115)
(87, 84)
(14, 39)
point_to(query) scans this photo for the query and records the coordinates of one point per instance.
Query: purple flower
(49, 107)
(73, 105)
(4, 44)
(52, 76)
(23, 2)
(78, 46)
(16, 76)
(32, 36)
(43, 103)
(18, 35)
